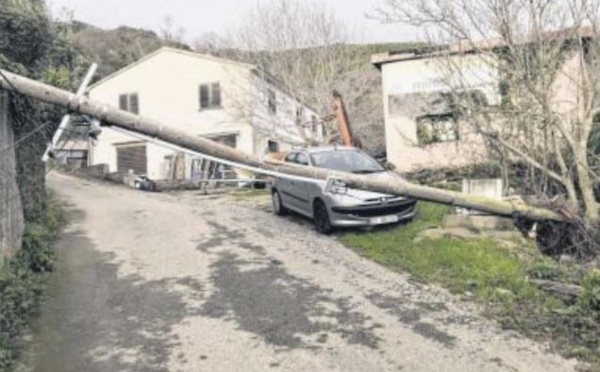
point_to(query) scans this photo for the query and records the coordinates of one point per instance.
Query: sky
(200, 17)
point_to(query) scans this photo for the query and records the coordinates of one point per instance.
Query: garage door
(132, 157)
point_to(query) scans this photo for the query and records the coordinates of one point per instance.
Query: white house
(230, 102)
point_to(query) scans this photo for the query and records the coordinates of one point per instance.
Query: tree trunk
(586, 185)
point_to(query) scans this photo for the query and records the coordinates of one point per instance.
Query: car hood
(370, 195)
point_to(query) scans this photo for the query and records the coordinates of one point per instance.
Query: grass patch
(494, 276)
(22, 281)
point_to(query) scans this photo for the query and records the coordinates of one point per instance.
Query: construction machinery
(345, 130)
(340, 115)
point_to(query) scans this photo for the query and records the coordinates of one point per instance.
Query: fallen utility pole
(110, 116)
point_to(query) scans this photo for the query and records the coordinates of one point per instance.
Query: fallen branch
(567, 292)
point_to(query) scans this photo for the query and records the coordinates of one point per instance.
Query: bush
(589, 302)
(545, 271)
(22, 280)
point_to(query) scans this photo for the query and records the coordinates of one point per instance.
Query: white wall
(281, 126)
(167, 84)
(428, 75)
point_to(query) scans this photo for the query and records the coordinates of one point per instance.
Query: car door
(284, 185)
(302, 189)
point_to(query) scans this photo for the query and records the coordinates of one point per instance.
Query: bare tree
(170, 32)
(545, 56)
(301, 45)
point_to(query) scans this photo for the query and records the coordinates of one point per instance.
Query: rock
(505, 293)
(565, 258)
(474, 222)
(584, 367)
(567, 292)
(435, 234)
(507, 239)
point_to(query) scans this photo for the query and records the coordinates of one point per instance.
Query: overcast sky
(199, 17)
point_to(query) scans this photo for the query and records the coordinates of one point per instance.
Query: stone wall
(11, 211)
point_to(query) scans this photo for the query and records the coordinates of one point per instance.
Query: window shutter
(134, 103)
(123, 102)
(204, 96)
(299, 115)
(272, 101)
(216, 95)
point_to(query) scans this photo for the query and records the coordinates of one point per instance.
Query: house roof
(463, 47)
(205, 57)
(271, 79)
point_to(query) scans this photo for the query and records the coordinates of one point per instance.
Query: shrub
(589, 302)
(22, 280)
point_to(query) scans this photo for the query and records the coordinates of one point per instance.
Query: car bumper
(361, 216)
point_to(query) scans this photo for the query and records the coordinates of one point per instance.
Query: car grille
(401, 207)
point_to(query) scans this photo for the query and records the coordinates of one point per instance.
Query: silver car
(338, 206)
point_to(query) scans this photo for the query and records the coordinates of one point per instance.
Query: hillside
(117, 48)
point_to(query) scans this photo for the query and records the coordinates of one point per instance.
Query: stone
(478, 222)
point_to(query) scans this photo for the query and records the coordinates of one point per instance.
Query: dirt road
(154, 282)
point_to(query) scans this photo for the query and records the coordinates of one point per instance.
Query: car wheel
(321, 218)
(278, 207)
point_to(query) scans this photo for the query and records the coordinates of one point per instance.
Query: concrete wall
(11, 211)
(167, 84)
(411, 89)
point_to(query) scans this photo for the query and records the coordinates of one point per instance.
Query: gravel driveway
(158, 282)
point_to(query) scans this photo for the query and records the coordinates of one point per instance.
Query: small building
(230, 102)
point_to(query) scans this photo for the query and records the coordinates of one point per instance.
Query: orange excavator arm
(341, 116)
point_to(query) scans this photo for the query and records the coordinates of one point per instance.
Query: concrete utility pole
(154, 129)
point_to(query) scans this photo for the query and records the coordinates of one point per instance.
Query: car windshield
(347, 161)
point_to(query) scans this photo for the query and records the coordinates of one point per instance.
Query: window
(273, 146)
(299, 115)
(352, 161)
(302, 159)
(130, 102)
(272, 101)
(210, 96)
(134, 103)
(437, 128)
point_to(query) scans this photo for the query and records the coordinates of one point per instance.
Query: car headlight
(335, 186)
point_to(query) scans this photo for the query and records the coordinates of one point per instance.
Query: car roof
(312, 150)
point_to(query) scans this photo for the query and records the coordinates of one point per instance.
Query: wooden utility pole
(155, 129)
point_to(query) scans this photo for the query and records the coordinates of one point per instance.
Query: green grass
(476, 265)
(494, 276)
